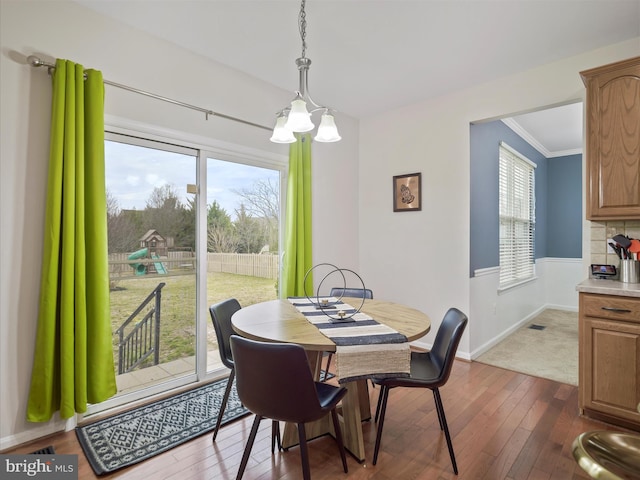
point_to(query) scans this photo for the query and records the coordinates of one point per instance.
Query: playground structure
(146, 267)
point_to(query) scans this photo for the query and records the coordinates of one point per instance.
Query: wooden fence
(249, 264)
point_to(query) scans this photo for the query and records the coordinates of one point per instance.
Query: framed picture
(407, 192)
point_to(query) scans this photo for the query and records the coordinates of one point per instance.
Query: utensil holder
(630, 271)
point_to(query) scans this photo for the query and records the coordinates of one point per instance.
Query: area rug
(136, 435)
(546, 347)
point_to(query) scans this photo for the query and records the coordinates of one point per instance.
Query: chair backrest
(351, 292)
(274, 380)
(221, 317)
(444, 348)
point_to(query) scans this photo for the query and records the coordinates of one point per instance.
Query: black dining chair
(340, 292)
(428, 370)
(351, 292)
(221, 314)
(274, 381)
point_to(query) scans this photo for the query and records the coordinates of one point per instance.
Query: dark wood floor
(504, 425)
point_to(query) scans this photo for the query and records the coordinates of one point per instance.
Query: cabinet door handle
(616, 310)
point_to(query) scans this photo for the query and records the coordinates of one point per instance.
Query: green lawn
(178, 327)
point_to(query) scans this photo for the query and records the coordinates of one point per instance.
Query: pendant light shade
(282, 134)
(299, 118)
(327, 131)
(298, 114)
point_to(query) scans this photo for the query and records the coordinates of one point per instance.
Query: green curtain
(297, 258)
(73, 361)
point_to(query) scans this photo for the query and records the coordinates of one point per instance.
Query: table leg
(355, 409)
(365, 405)
(353, 412)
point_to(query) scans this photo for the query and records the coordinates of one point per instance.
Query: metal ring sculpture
(340, 316)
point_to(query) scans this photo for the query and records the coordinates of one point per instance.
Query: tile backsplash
(601, 231)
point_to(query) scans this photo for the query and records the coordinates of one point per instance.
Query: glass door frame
(206, 148)
(253, 160)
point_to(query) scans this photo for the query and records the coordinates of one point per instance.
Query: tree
(166, 214)
(249, 231)
(221, 237)
(187, 236)
(124, 227)
(262, 201)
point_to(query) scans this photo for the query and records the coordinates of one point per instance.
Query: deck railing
(144, 339)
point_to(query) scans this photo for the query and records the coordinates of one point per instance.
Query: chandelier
(296, 117)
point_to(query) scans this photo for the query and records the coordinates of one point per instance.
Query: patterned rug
(131, 437)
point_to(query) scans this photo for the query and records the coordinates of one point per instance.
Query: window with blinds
(517, 217)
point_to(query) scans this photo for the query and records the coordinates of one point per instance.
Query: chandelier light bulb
(327, 131)
(299, 118)
(282, 134)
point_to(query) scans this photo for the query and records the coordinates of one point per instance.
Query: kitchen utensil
(622, 240)
(624, 243)
(634, 249)
(616, 248)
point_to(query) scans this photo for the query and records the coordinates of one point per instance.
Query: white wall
(502, 314)
(421, 258)
(67, 30)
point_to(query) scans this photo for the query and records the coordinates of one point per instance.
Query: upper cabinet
(613, 140)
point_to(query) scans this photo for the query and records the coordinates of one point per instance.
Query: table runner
(364, 346)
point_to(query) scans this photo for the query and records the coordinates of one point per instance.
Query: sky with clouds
(132, 172)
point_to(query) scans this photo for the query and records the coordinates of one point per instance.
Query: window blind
(517, 217)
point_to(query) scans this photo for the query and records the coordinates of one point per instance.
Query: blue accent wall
(558, 191)
(564, 200)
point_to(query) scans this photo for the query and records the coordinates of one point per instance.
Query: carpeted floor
(550, 352)
(131, 437)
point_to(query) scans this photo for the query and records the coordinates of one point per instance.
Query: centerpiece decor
(331, 308)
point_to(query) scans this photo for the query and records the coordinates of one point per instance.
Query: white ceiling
(372, 56)
(554, 132)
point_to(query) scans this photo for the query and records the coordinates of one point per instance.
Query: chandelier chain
(302, 26)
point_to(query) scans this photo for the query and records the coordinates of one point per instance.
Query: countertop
(609, 287)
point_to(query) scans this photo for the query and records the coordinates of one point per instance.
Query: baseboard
(36, 433)
(427, 346)
(561, 307)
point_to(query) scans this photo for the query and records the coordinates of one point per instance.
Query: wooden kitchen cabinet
(613, 140)
(609, 383)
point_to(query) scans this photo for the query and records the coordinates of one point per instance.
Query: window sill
(516, 285)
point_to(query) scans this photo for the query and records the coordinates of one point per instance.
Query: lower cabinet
(610, 358)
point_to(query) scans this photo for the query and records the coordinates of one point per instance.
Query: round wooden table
(280, 321)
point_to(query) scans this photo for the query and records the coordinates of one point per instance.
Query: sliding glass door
(187, 228)
(152, 237)
(243, 237)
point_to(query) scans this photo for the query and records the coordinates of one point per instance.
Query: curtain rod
(37, 62)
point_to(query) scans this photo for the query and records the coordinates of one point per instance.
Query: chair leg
(436, 394)
(438, 410)
(326, 369)
(275, 436)
(384, 392)
(247, 449)
(379, 403)
(304, 454)
(225, 399)
(336, 427)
